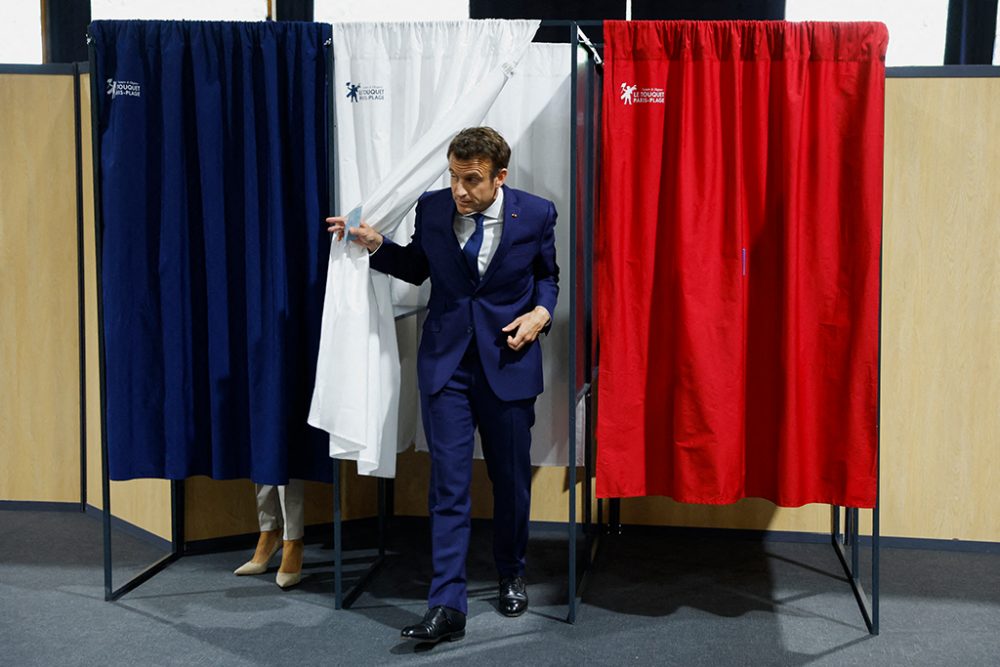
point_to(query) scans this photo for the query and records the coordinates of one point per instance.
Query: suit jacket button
(468, 329)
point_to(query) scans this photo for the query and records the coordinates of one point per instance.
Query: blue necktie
(473, 245)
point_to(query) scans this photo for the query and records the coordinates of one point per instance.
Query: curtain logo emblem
(118, 88)
(358, 93)
(633, 94)
(627, 93)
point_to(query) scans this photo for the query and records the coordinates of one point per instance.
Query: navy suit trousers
(451, 417)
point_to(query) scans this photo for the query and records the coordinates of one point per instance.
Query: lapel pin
(513, 215)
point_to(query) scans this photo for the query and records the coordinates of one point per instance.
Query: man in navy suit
(489, 251)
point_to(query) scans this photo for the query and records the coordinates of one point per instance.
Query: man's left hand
(526, 328)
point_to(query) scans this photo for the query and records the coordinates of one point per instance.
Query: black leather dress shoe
(439, 623)
(513, 596)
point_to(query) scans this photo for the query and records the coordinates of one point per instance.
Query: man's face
(473, 187)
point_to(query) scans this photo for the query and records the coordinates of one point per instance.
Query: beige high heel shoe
(290, 571)
(267, 545)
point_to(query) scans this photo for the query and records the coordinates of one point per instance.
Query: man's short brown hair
(481, 142)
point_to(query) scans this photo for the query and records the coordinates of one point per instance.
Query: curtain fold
(739, 261)
(213, 187)
(405, 90)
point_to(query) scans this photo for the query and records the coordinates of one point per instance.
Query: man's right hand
(363, 235)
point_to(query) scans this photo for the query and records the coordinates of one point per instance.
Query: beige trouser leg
(279, 506)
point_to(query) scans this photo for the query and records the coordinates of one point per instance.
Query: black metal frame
(943, 72)
(869, 607)
(75, 70)
(577, 566)
(344, 599)
(841, 540)
(849, 538)
(176, 487)
(385, 494)
(47, 68)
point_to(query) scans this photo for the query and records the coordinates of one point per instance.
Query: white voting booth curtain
(533, 115)
(406, 90)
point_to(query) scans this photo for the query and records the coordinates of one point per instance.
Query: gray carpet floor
(651, 599)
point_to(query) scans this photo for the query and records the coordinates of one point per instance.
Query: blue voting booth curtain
(214, 186)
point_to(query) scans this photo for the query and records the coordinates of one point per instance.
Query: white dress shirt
(465, 225)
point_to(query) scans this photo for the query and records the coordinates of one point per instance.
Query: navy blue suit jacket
(522, 274)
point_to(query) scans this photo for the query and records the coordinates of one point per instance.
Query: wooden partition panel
(550, 502)
(222, 508)
(940, 339)
(941, 309)
(549, 489)
(93, 391)
(940, 346)
(216, 508)
(39, 332)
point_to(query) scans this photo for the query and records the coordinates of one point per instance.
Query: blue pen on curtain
(744, 261)
(353, 220)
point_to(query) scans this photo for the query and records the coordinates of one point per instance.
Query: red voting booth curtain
(738, 261)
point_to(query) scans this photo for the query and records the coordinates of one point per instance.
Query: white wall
(21, 33)
(996, 40)
(193, 10)
(333, 11)
(916, 27)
